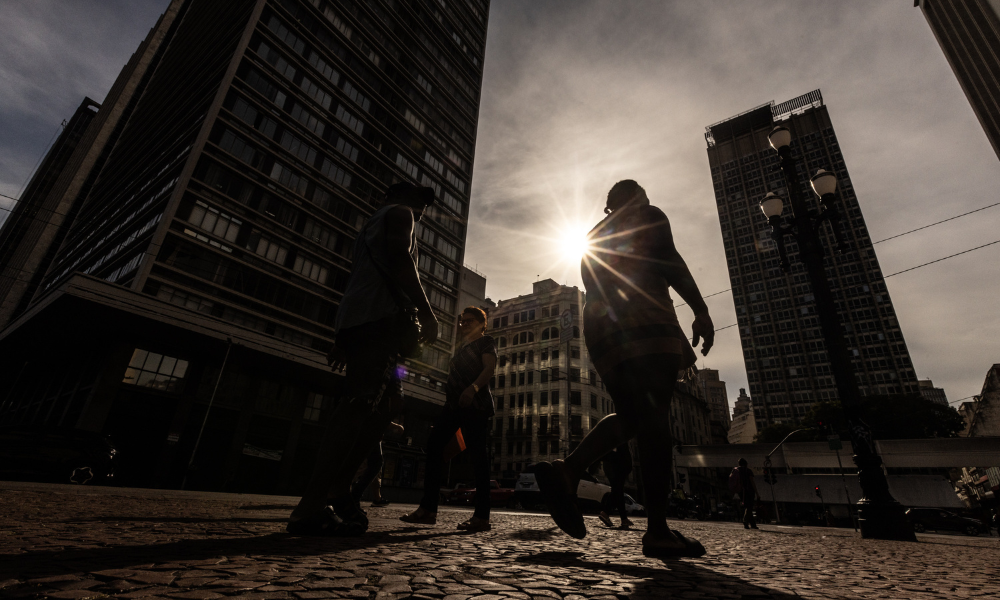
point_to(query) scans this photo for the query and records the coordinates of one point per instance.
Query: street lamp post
(879, 514)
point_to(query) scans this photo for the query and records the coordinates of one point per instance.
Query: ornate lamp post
(879, 514)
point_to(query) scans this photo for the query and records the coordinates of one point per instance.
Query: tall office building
(714, 392)
(787, 366)
(213, 245)
(969, 34)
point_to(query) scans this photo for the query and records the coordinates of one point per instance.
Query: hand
(336, 358)
(428, 327)
(465, 400)
(703, 328)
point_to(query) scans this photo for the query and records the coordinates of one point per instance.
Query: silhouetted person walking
(638, 347)
(373, 472)
(748, 494)
(374, 326)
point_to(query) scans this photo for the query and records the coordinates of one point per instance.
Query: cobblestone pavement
(75, 542)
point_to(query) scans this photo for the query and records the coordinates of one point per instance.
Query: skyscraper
(214, 244)
(785, 356)
(969, 34)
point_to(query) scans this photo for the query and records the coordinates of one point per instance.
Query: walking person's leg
(374, 462)
(474, 424)
(748, 517)
(353, 429)
(444, 428)
(618, 497)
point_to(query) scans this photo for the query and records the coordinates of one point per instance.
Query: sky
(578, 94)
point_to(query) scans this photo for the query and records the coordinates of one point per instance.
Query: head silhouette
(625, 192)
(743, 462)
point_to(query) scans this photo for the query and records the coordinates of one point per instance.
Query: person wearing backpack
(741, 482)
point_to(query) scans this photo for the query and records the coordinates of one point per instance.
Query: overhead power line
(942, 258)
(937, 223)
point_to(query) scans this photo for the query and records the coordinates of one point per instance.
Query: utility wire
(942, 258)
(937, 223)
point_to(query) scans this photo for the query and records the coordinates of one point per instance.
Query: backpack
(734, 481)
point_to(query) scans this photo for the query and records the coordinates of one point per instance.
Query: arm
(676, 272)
(489, 366)
(398, 232)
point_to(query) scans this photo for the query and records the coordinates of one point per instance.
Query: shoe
(561, 502)
(380, 503)
(428, 519)
(348, 509)
(605, 519)
(754, 527)
(324, 523)
(471, 526)
(626, 524)
(667, 547)
(745, 526)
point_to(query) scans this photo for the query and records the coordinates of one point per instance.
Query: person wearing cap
(468, 406)
(370, 334)
(638, 348)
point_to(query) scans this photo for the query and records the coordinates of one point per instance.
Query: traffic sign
(565, 326)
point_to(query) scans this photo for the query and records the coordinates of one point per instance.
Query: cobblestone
(74, 542)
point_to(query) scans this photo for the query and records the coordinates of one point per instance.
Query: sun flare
(573, 243)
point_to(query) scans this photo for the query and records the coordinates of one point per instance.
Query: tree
(891, 417)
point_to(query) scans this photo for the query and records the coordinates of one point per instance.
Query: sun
(573, 243)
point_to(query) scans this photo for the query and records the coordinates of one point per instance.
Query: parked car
(937, 519)
(634, 508)
(499, 496)
(590, 493)
(57, 455)
(449, 496)
(526, 491)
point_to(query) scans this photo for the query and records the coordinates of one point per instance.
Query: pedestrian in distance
(383, 315)
(372, 475)
(468, 405)
(617, 466)
(638, 348)
(741, 481)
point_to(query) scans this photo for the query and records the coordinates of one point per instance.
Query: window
(524, 316)
(593, 401)
(310, 268)
(574, 352)
(576, 332)
(543, 423)
(531, 315)
(517, 318)
(500, 380)
(511, 401)
(215, 222)
(503, 321)
(520, 378)
(496, 323)
(302, 150)
(574, 375)
(520, 403)
(576, 424)
(531, 356)
(545, 312)
(335, 174)
(544, 400)
(555, 373)
(555, 353)
(320, 234)
(545, 355)
(554, 311)
(155, 371)
(531, 377)
(575, 398)
(544, 378)
(358, 98)
(315, 403)
(529, 400)
(555, 402)
(503, 342)
(350, 120)
(269, 249)
(593, 377)
(520, 426)
(520, 358)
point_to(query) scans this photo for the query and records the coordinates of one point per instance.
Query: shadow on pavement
(67, 560)
(535, 535)
(677, 577)
(165, 519)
